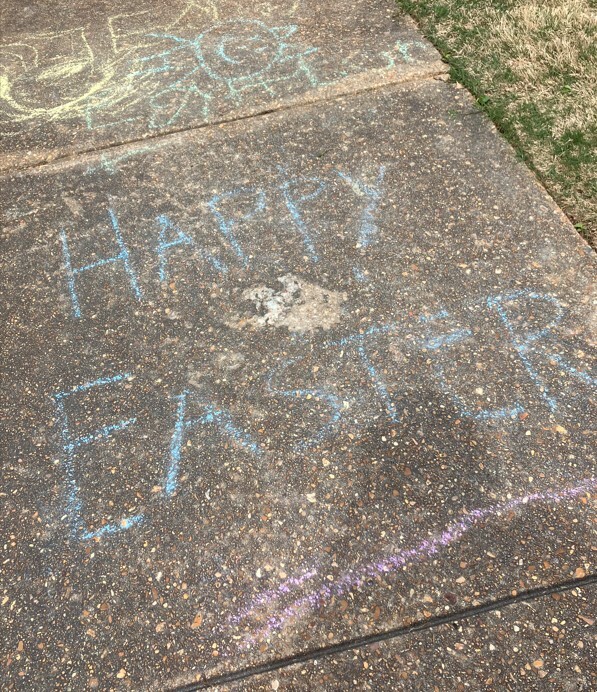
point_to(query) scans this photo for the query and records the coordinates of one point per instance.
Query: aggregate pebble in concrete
(284, 382)
(79, 76)
(545, 644)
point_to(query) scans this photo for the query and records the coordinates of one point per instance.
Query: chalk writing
(242, 54)
(218, 417)
(164, 72)
(167, 241)
(332, 353)
(359, 342)
(73, 272)
(226, 224)
(402, 52)
(522, 341)
(221, 418)
(70, 445)
(584, 377)
(331, 399)
(295, 196)
(63, 69)
(373, 195)
(445, 340)
(156, 74)
(293, 202)
(48, 77)
(350, 373)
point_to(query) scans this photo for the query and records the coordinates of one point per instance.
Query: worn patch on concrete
(297, 305)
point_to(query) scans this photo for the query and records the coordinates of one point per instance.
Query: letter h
(122, 256)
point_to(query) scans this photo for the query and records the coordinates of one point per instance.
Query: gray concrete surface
(282, 382)
(544, 644)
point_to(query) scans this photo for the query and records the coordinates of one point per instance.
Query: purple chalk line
(354, 578)
(284, 587)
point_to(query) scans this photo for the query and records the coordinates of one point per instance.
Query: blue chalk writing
(100, 434)
(257, 48)
(243, 54)
(317, 394)
(481, 415)
(436, 342)
(226, 423)
(169, 104)
(497, 414)
(176, 445)
(122, 256)
(226, 225)
(222, 267)
(111, 163)
(523, 342)
(436, 316)
(379, 384)
(181, 238)
(293, 203)
(368, 226)
(223, 420)
(377, 379)
(440, 341)
(578, 374)
(403, 50)
(161, 60)
(70, 445)
(90, 385)
(108, 529)
(359, 274)
(167, 240)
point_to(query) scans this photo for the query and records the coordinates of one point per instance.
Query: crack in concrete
(171, 134)
(367, 640)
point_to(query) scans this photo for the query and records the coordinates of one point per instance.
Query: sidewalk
(298, 357)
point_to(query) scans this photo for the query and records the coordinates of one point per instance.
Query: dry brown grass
(533, 67)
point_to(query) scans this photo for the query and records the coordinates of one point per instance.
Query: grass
(532, 66)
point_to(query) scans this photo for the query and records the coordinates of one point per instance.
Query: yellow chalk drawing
(128, 31)
(131, 31)
(56, 76)
(49, 61)
(193, 10)
(155, 72)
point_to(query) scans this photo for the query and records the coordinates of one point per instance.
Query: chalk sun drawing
(384, 565)
(244, 54)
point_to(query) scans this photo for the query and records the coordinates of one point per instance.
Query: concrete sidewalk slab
(284, 382)
(76, 77)
(549, 643)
